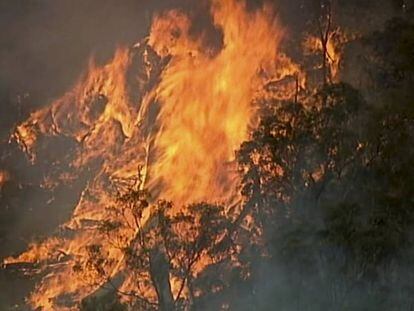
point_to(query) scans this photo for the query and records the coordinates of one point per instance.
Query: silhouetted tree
(166, 247)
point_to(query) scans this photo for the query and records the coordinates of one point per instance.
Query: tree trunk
(160, 276)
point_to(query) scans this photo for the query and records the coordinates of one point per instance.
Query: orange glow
(4, 177)
(336, 41)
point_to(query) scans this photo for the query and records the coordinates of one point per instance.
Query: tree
(163, 256)
(329, 184)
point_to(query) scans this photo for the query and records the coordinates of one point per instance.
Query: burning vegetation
(237, 173)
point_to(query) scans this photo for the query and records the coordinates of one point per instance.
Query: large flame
(206, 100)
(170, 106)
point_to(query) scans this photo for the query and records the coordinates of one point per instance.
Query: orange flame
(206, 100)
(205, 110)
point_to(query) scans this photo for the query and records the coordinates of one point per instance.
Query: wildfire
(170, 106)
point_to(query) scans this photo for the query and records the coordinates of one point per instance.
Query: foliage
(163, 249)
(332, 178)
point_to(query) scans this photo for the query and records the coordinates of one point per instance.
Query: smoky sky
(44, 44)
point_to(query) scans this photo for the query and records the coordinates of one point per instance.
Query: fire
(172, 107)
(334, 48)
(4, 178)
(206, 99)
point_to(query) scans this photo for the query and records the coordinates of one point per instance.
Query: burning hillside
(165, 115)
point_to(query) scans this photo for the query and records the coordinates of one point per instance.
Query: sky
(45, 44)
